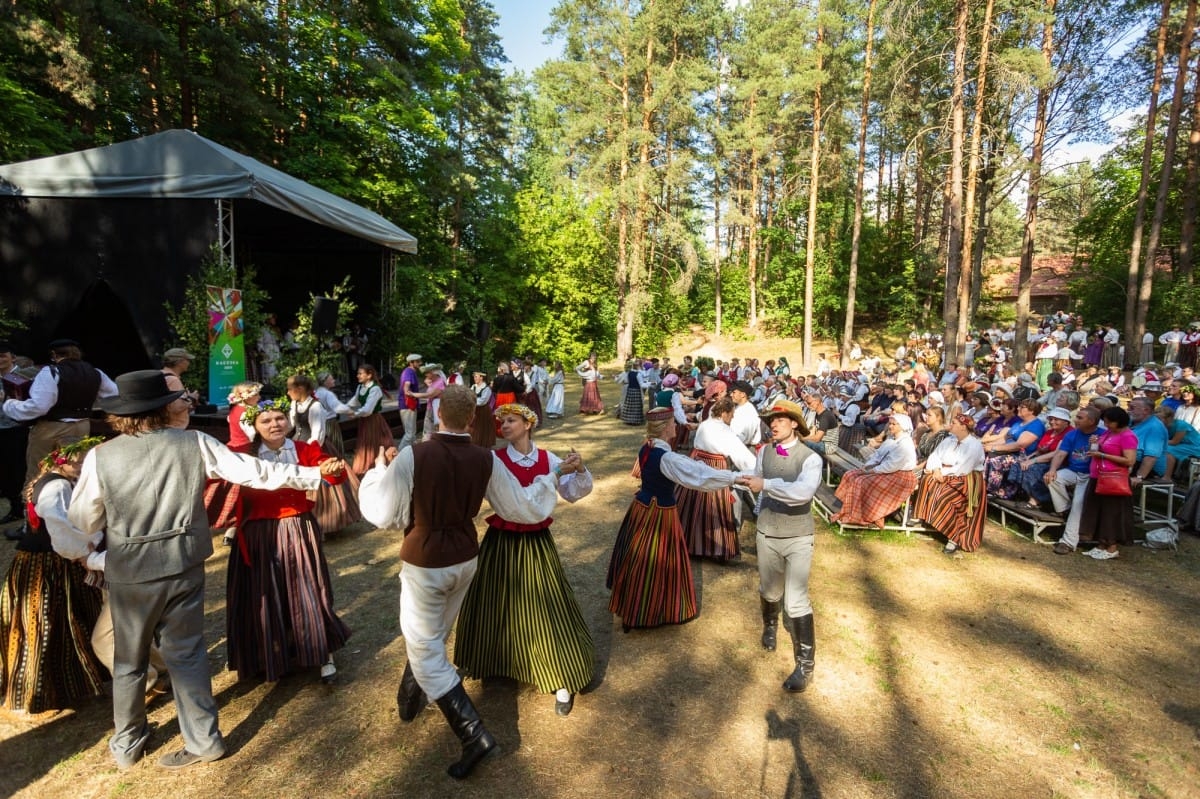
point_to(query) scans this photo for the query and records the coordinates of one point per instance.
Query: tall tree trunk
(1139, 218)
(954, 183)
(810, 248)
(626, 303)
(859, 176)
(753, 232)
(1033, 195)
(1146, 278)
(973, 159)
(718, 158)
(1191, 190)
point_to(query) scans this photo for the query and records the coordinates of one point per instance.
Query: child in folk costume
(520, 618)
(279, 596)
(336, 504)
(221, 497)
(373, 431)
(632, 410)
(649, 572)
(332, 441)
(49, 604)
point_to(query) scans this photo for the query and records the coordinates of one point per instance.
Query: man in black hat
(145, 489)
(60, 402)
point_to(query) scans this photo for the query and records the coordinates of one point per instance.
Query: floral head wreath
(65, 453)
(281, 405)
(517, 409)
(242, 392)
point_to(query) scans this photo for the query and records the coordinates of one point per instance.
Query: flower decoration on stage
(517, 409)
(281, 405)
(67, 452)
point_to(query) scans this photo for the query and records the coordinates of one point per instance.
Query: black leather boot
(477, 742)
(804, 648)
(770, 614)
(410, 699)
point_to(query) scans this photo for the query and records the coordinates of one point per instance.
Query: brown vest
(450, 478)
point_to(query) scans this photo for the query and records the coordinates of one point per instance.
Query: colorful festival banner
(226, 343)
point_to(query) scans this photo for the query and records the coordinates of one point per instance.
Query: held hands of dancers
(750, 481)
(386, 456)
(571, 464)
(332, 467)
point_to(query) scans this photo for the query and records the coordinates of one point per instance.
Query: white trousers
(1067, 490)
(429, 604)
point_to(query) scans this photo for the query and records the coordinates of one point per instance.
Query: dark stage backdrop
(100, 271)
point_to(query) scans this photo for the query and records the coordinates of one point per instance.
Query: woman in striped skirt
(649, 572)
(520, 618)
(952, 499)
(707, 516)
(589, 401)
(49, 606)
(279, 599)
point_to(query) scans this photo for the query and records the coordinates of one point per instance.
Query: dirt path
(1012, 672)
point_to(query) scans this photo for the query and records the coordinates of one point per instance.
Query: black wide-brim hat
(139, 392)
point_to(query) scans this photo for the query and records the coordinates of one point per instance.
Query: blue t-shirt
(1152, 442)
(1035, 426)
(1075, 444)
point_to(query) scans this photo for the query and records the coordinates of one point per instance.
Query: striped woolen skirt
(533, 402)
(483, 428)
(520, 618)
(956, 508)
(47, 613)
(651, 579)
(707, 516)
(279, 600)
(373, 433)
(590, 401)
(867, 498)
(337, 505)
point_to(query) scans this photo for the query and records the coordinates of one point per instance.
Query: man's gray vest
(152, 486)
(777, 519)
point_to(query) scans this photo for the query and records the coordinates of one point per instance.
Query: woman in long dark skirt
(279, 598)
(520, 618)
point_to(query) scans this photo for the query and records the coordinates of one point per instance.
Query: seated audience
(885, 480)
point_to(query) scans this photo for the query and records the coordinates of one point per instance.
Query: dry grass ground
(1011, 672)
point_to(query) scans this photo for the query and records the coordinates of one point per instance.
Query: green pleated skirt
(520, 618)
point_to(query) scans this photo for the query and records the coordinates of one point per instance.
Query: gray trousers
(1067, 491)
(409, 419)
(171, 611)
(783, 568)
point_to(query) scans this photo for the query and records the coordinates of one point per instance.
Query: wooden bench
(826, 503)
(1038, 520)
(838, 462)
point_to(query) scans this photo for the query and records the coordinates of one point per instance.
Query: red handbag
(1113, 481)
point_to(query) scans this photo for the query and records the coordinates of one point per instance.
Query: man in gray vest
(785, 478)
(145, 489)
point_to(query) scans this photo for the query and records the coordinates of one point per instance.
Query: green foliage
(9, 325)
(189, 320)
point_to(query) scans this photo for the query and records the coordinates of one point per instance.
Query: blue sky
(521, 26)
